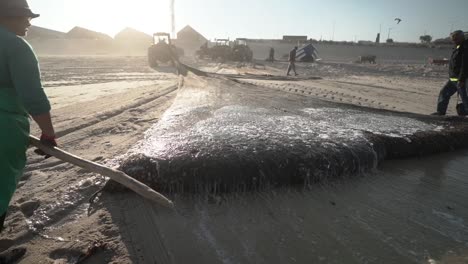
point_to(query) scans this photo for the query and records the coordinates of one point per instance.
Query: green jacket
(21, 90)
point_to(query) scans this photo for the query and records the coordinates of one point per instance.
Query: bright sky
(353, 19)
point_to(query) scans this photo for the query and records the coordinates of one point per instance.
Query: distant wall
(327, 51)
(346, 53)
(294, 38)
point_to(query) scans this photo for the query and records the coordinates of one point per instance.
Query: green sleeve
(26, 78)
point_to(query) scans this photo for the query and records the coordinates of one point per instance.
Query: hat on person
(16, 8)
(457, 33)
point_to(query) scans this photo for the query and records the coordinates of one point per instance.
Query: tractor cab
(222, 42)
(221, 50)
(162, 52)
(161, 38)
(241, 42)
(241, 51)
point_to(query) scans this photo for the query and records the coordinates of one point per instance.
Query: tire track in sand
(115, 112)
(366, 95)
(62, 190)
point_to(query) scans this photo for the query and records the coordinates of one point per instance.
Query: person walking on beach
(271, 58)
(292, 61)
(458, 72)
(21, 97)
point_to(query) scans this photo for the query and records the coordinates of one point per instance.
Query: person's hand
(48, 141)
(461, 84)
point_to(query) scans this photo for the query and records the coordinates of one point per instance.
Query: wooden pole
(115, 175)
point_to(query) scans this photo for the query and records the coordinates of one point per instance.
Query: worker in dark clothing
(292, 61)
(458, 72)
(272, 55)
(21, 97)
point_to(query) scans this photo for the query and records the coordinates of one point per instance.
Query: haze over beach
(267, 19)
(282, 131)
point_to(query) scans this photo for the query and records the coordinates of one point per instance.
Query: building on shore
(295, 39)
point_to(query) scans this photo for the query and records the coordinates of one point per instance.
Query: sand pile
(83, 33)
(35, 32)
(130, 41)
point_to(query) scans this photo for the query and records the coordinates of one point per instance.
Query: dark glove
(48, 141)
(461, 84)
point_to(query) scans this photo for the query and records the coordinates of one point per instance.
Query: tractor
(203, 52)
(241, 51)
(163, 51)
(221, 50)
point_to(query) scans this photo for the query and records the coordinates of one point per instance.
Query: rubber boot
(12, 256)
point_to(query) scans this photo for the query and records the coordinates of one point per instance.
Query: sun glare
(111, 16)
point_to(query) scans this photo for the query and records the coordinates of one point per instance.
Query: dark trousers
(448, 91)
(2, 221)
(292, 66)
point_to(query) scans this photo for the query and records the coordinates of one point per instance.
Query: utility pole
(389, 31)
(333, 35)
(173, 19)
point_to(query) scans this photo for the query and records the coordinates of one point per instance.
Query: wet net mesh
(221, 135)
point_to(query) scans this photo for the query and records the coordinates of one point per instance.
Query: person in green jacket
(21, 97)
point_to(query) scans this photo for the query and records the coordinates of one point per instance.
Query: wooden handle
(115, 175)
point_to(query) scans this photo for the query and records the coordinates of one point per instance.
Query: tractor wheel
(153, 63)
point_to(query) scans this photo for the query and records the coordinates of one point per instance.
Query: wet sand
(411, 211)
(397, 213)
(230, 229)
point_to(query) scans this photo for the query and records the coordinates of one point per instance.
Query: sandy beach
(103, 105)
